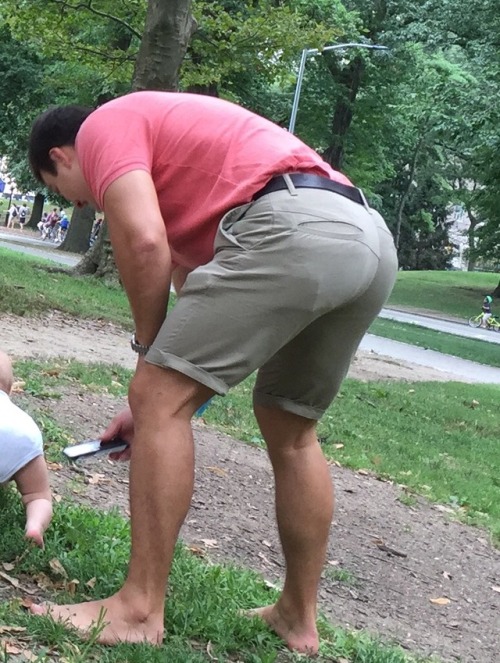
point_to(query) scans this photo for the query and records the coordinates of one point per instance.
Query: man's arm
(141, 249)
(179, 276)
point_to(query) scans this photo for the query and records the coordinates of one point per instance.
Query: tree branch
(98, 12)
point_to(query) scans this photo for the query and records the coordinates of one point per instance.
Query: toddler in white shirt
(22, 459)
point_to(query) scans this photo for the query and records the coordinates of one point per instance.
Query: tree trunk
(168, 29)
(36, 212)
(496, 291)
(78, 234)
(98, 260)
(471, 237)
(406, 193)
(350, 81)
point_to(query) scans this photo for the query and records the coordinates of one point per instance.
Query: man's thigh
(305, 375)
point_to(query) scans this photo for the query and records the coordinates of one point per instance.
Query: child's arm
(32, 481)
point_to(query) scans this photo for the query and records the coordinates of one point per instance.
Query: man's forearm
(147, 284)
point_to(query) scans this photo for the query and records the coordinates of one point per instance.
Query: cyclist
(486, 309)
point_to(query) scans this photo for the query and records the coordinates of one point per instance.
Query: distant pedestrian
(23, 215)
(13, 214)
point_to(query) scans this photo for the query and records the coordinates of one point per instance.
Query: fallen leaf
(270, 585)
(267, 543)
(496, 589)
(91, 583)
(364, 473)
(71, 586)
(58, 568)
(12, 581)
(30, 656)
(447, 575)
(55, 467)
(43, 581)
(197, 550)
(338, 446)
(209, 543)
(95, 478)
(11, 629)
(10, 648)
(18, 387)
(8, 566)
(217, 470)
(440, 601)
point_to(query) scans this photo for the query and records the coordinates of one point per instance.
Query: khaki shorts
(297, 278)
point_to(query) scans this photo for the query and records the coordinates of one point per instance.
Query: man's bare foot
(118, 621)
(298, 637)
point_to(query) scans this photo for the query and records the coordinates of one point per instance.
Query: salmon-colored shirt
(205, 156)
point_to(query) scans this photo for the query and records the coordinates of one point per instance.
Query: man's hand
(122, 426)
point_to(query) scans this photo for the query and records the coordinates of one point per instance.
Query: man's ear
(62, 156)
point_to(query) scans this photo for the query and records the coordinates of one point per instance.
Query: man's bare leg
(161, 484)
(304, 510)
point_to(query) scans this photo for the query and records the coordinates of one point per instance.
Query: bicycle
(491, 323)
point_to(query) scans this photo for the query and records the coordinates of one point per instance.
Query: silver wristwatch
(138, 347)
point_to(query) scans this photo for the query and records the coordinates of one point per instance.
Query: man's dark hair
(55, 127)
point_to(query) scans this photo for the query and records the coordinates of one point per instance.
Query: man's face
(68, 181)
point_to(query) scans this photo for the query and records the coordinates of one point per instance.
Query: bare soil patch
(386, 561)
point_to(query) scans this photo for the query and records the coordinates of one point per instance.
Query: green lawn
(458, 346)
(439, 440)
(202, 617)
(458, 294)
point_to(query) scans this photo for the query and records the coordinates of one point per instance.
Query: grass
(458, 346)
(438, 439)
(202, 611)
(454, 293)
(28, 288)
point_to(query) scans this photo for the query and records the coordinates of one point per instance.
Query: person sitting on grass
(22, 459)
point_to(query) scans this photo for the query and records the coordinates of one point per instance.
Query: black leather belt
(308, 181)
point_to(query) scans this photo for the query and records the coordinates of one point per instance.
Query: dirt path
(386, 561)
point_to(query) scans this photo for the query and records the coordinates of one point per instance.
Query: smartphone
(91, 447)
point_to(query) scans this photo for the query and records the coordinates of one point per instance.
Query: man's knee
(157, 387)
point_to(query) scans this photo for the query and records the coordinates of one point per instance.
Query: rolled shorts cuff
(168, 360)
(280, 403)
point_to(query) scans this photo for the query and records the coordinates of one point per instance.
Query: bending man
(281, 267)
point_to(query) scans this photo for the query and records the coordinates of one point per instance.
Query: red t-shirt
(205, 156)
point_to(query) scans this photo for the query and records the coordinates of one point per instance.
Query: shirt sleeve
(110, 143)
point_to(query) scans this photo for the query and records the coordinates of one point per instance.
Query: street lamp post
(316, 51)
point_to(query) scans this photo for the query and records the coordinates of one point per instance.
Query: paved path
(446, 326)
(37, 248)
(441, 362)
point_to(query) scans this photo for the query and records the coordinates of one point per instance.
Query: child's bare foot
(35, 534)
(120, 623)
(39, 514)
(300, 637)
